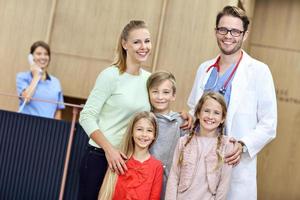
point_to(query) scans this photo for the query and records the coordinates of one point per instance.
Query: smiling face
(161, 96)
(138, 46)
(229, 44)
(41, 57)
(210, 117)
(143, 134)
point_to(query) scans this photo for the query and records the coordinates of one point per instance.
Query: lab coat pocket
(213, 173)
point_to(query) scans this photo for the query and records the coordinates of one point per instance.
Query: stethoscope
(217, 66)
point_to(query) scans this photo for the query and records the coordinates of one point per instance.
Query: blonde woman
(119, 92)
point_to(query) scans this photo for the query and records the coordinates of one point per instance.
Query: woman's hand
(188, 120)
(29, 91)
(116, 160)
(35, 70)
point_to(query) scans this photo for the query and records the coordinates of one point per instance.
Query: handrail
(75, 112)
(43, 100)
(68, 154)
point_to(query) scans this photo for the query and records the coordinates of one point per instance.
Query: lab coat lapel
(239, 86)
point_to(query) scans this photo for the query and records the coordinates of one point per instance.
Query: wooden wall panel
(274, 41)
(187, 40)
(22, 23)
(77, 81)
(249, 6)
(279, 163)
(278, 24)
(85, 36)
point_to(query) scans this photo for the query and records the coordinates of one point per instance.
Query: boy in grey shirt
(161, 88)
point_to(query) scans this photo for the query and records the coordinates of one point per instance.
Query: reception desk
(33, 155)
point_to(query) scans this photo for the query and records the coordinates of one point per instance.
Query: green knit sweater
(112, 102)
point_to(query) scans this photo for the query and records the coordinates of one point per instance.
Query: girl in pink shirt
(143, 179)
(198, 170)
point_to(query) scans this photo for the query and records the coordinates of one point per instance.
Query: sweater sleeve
(102, 90)
(157, 183)
(173, 179)
(226, 170)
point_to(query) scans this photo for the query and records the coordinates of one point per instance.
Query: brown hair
(220, 99)
(127, 147)
(235, 12)
(158, 77)
(121, 54)
(43, 44)
(128, 143)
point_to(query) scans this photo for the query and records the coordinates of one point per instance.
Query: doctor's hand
(235, 156)
(188, 120)
(116, 160)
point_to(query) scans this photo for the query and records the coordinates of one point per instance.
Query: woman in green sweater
(119, 92)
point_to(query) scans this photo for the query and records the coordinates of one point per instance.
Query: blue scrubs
(216, 82)
(48, 89)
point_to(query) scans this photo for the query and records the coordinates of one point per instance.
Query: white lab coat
(251, 118)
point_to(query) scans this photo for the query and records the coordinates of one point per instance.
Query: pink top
(142, 181)
(197, 177)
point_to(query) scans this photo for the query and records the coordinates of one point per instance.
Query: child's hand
(116, 161)
(235, 156)
(188, 120)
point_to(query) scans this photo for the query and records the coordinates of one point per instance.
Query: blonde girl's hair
(220, 99)
(127, 147)
(121, 54)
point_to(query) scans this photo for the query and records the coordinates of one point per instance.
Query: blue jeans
(92, 171)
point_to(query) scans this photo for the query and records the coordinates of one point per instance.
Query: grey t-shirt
(168, 133)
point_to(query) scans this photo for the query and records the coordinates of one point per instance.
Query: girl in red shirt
(143, 180)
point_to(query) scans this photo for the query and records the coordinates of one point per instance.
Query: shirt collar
(170, 116)
(47, 76)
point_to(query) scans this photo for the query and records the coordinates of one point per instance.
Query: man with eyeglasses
(248, 89)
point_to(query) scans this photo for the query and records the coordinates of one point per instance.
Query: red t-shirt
(142, 181)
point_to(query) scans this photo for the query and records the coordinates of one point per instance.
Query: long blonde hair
(127, 147)
(121, 54)
(220, 99)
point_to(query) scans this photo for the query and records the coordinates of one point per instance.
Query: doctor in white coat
(250, 94)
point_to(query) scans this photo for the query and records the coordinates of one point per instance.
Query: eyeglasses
(234, 32)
